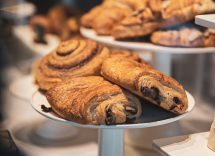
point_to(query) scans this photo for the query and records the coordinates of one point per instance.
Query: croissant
(94, 101)
(146, 82)
(72, 58)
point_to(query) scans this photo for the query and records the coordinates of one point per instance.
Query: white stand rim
(38, 99)
(141, 46)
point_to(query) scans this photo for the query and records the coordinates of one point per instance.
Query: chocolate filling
(176, 100)
(46, 109)
(110, 119)
(151, 93)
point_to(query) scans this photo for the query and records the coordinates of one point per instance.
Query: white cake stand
(111, 138)
(162, 54)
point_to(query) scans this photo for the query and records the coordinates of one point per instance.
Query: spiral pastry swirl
(72, 58)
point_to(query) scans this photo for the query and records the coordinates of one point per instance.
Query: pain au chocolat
(94, 101)
(146, 82)
(72, 58)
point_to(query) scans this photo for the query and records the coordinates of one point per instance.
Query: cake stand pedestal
(111, 138)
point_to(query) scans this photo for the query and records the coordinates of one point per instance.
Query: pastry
(181, 11)
(146, 82)
(126, 54)
(41, 21)
(58, 16)
(72, 58)
(93, 100)
(211, 138)
(166, 14)
(105, 16)
(185, 37)
(70, 29)
(209, 38)
(142, 22)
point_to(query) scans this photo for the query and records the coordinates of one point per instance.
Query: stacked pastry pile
(165, 20)
(83, 80)
(59, 21)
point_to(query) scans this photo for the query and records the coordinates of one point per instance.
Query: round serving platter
(152, 115)
(139, 46)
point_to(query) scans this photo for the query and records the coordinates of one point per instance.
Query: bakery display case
(112, 77)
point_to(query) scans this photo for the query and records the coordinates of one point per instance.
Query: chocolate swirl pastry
(146, 82)
(72, 58)
(94, 101)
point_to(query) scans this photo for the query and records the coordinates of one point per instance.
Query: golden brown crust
(126, 54)
(185, 37)
(146, 82)
(93, 100)
(209, 38)
(168, 13)
(105, 16)
(42, 21)
(72, 58)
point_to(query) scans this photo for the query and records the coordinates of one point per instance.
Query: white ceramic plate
(26, 35)
(152, 115)
(141, 46)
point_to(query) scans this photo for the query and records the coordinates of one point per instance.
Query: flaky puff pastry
(186, 10)
(185, 37)
(105, 16)
(93, 100)
(166, 14)
(146, 82)
(72, 58)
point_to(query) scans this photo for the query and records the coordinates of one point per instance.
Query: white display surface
(23, 87)
(26, 35)
(138, 46)
(38, 99)
(206, 20)
(188, 145)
